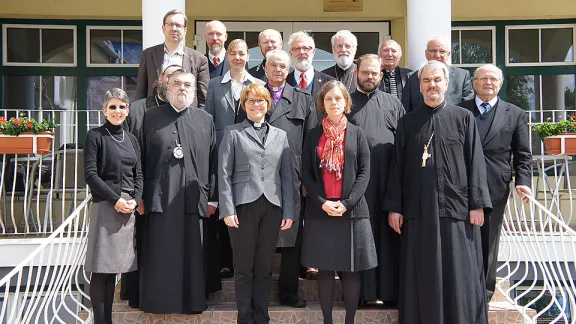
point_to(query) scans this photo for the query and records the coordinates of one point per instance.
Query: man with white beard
(178, 144)
(216, 37)
(302, 50)
(344, 45)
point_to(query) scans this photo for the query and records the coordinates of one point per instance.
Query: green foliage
(548, 128)
(16, 126)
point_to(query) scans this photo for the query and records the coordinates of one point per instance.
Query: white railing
(539, 250)
(37, 192)
(49, 285)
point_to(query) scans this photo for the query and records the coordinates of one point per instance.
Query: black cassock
(347, 77)
(441, 277)
(176, 193)
(378, 114)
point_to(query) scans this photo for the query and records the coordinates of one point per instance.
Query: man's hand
(141, 208)
(286, 224)
(210, 210)
(396, 220)
(477, 216)
(303, 190)
(232, 221)
(524, 191)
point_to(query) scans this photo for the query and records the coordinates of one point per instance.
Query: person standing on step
(216, 37)
(337, 234)
(113, 173)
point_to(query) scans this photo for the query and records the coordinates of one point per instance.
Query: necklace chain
(114, 137)
(336, 73)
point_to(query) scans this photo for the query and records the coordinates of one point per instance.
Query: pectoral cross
(425, 156)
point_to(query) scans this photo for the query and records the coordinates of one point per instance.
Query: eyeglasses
(252, 102)
(175, 25)
(114, 107)
(344, 46)
(485, 79)
(367, 74)
(282, 67)
(304, 49)
(434, 51)
(179, 84)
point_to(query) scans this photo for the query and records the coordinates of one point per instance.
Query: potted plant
(24, 135)
(559, 137)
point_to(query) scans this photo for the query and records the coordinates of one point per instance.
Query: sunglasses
(114, 107)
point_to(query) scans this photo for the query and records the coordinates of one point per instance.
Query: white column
(426, 18)
(153, 12)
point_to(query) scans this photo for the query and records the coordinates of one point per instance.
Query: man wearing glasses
(173, 52)
(459, 87)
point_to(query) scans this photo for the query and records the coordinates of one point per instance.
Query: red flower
(17, 122)
(30, 124)
(573, 116)
(2, 119)
(574, 125)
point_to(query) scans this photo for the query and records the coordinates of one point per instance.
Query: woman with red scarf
(337, 234)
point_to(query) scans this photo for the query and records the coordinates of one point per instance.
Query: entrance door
(369, 34)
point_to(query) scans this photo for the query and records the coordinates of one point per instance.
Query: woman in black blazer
(337, 233)
(112, 171)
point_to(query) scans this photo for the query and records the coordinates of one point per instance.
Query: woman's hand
(123, 206)
(232, 221)
(332, 208)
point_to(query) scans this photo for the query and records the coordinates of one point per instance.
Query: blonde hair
(258, 90)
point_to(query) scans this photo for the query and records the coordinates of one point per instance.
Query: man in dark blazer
(304, 76)
(504, 135)
(459, 84)
(216, 37)
(268, 40)
(395, 77)
(173, 51)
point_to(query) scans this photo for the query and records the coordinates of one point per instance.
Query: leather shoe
(294, 301)
(226, 273)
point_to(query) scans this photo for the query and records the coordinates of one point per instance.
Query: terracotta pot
(560, 144)
(26, 143)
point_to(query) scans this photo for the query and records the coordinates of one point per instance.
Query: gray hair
(274, 31)
(278, 54)
(434, 65)
(440, 39)
(390, 41)
(115, 93)
(345, 34)
(490, 67)
(183, 72)
(300, 34)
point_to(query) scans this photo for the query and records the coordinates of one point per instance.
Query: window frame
(5, 28)
(466, 28)
(538, 27)
(89, 28)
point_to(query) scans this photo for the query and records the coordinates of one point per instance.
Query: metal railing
(48, 286)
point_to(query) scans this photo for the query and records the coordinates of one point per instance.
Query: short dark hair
(329, 86)
(175, 12)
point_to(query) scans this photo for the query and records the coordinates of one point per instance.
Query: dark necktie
(486, 107)
(393, 89)
(216, 61)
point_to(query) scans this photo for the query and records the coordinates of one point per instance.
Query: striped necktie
(486, 107)
(393, 89)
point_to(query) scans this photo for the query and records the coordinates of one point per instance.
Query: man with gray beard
(178, 144)
(344, 45)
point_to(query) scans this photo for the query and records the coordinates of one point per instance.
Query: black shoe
(312, 274)
(226, 273)
(294, 301)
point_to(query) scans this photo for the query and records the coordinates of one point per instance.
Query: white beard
(181, 99)
(344, 61)
(303, 65)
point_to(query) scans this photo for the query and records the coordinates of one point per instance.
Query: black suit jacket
(402, 75)
(459, 89)
(225, 67)
(151, 67)
(319, 80)
(134, 120)
(506, 140)
(355, 175)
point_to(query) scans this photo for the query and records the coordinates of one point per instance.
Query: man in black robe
(437, 193)
(179, 148)
(344, 45)
(378, 113)
(133, 123)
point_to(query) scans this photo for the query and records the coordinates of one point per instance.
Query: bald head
(269, 40)
(215, 37)
(390, 53)
(437, 49)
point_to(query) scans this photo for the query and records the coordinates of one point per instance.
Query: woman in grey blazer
(256, 200)
(337, 234)
(112, 171)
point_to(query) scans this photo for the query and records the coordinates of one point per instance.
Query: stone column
(425, 19)
(153, 12)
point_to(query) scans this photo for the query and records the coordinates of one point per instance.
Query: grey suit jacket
(151, 67)
(220, 103)
(248, 168)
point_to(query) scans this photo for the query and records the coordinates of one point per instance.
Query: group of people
(365, 170)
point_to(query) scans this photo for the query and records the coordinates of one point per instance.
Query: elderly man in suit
(504, 135)
(216, 37)
(395, 77)
(268, 40)
(173, 51)
(344, 45)
(459, 86)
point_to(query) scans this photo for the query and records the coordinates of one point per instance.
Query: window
(472, 47)
(97, 87)
(540, 45)
(113, 46)
(39, 45)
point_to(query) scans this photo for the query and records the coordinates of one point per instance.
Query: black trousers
(290, 268)
(226, 259)
(130, 282)
(253, 245)
(490, 232)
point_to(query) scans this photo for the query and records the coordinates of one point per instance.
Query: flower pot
(26, 143)
(560, 144)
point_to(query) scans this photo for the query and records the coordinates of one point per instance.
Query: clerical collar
(159, 100)
(492, 102)
(276, 89)
(257, 125)
(176, 109)
(436, 109)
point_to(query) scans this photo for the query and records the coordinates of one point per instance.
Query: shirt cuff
(213, 203)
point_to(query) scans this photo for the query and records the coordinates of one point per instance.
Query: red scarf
(333, 155)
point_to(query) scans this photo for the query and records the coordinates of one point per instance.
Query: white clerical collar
(259, 124)
(220, 57)
(228, 77)
(492, 102)
(309, 75)
(176, 109)
(179, 49)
